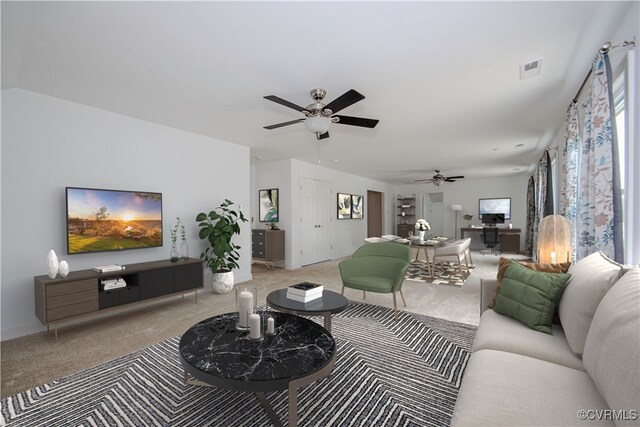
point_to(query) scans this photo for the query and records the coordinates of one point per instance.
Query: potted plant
(218, 227)
(422, 226)
(468, 218)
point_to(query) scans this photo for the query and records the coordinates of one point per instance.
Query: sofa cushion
(507, 389)
(546, 268)
(591, 278)
(612, 350)
(498, 332)
(530, 296)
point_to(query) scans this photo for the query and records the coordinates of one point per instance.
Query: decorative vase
(222, 283)
(184, 250)
(52, 264)
(174, 252)
(64, 268)
(421, 234)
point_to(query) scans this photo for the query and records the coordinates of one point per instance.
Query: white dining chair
(455, 252)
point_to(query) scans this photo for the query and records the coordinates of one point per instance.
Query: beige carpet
(36, 359)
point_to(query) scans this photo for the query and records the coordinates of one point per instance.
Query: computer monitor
(491, 219)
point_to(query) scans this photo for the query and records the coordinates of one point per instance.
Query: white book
(304, 299)
(305, 289)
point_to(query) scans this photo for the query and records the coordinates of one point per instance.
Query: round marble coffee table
(330, 303)
(215, 354)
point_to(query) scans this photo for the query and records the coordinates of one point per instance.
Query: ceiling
(442, 77)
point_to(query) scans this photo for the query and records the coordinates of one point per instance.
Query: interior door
(316, 203)
(433, 211)
(374, 214)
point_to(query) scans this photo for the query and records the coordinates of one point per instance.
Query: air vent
(530, 69)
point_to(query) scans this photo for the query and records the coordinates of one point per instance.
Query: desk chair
(490, 238)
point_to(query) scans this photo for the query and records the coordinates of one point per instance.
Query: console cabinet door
(188, 277)
(155, 283)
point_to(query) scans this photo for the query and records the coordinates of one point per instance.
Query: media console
(79, 294)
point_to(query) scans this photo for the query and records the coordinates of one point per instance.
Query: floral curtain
(531, 213)
(568, 173)
(542, 202)
(598, 213)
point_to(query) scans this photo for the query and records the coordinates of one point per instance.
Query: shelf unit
(405, 214)
(80, 294)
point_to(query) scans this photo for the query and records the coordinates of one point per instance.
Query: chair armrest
(488, 288)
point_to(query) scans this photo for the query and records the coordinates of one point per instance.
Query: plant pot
(222, 283)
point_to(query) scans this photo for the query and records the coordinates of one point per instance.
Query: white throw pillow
(613, 345)
(591, 278)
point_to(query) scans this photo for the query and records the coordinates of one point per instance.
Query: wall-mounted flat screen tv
(112, 220)
(490, 206)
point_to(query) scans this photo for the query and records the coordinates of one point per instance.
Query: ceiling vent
(530, 69)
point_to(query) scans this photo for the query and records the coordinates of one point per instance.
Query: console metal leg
(196, 296)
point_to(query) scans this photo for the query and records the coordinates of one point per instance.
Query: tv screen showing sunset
(110, 220)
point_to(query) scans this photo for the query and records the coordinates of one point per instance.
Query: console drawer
(116, 297)
(72, 287)
(72, 310)
(71, 299)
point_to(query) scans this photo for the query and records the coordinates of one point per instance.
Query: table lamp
(554, 240)
(456, 209)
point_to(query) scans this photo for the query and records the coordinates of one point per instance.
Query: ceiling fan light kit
(319, 117)
(438, 178)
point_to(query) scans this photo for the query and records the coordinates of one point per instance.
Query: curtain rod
(604, 49)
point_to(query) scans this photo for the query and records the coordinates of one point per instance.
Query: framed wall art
(268, 205)
(357, 209)
(344, 206)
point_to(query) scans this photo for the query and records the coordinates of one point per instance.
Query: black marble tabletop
(215, 352)
(331, 302)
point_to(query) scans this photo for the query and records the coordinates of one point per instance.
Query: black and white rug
(388, 373)
(449, 274)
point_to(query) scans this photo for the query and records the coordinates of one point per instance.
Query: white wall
(346, 235)
(467, 192)
(48, 144)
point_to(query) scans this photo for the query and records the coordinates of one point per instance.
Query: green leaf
(201, 216)
(204, 232)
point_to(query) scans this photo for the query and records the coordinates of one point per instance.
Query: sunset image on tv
(108, 220)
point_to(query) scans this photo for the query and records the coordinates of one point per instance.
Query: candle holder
(246, 303)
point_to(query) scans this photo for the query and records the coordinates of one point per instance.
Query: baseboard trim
(21, 331)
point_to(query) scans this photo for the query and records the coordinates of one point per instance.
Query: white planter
(222, 283)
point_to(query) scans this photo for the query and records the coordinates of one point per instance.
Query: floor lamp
(456, 209)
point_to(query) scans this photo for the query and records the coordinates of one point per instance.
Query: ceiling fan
(319, 116)
(438, 178)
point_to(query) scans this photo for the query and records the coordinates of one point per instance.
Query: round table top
(330, 302)
(214, 352)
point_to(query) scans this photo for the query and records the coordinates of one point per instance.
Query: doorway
(433, 211)
(375, 210)
(316, 204)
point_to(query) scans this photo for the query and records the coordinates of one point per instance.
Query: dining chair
(454, 252)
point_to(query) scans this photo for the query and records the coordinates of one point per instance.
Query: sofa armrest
(488, 288)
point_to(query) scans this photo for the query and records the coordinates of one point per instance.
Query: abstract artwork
(357, 210)
(344, 206)
(268, 201)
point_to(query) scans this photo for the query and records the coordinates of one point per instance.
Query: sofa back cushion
(591, 278)
(612, 349)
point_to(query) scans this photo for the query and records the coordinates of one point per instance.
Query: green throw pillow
(530, 297)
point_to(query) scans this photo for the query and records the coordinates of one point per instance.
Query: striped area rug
(388, 373)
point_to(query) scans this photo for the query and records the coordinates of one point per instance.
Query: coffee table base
(292, 392)
(325, 314)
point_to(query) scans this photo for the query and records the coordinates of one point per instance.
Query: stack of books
(107, 268)
(110, 284)
(304, 292)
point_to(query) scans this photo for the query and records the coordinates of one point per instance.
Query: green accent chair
(377, 267)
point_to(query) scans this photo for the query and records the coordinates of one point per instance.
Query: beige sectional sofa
(587, 372)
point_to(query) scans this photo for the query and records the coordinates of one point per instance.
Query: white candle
(271, 326)
(245, 308)
(254, 324)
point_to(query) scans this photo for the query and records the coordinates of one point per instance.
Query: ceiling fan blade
(286, 103)
(357, 121)
(424, 180)
(322, 136)
(449, 180)
(455, 177)
(279, 125)
(348, 98)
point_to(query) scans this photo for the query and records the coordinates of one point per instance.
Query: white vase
(64, 268)
(421, 234)
(52, 264)
(222, 283)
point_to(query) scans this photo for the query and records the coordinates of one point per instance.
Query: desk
(509, 237)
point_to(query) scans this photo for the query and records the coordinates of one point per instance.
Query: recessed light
(335, 160)
(495, 149)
